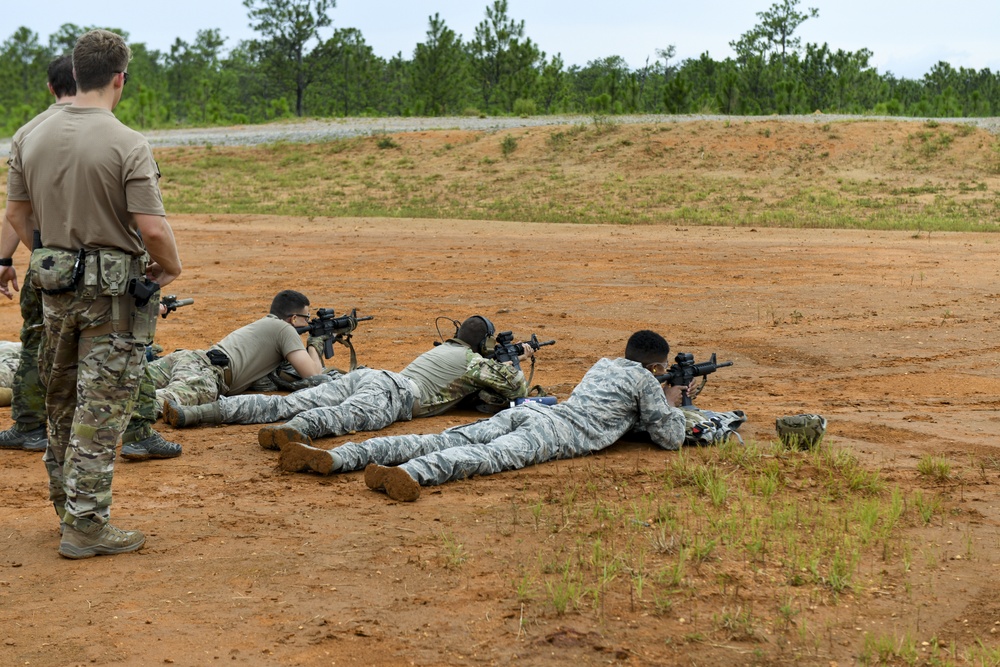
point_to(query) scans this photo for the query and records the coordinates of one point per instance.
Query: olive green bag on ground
(803, 431)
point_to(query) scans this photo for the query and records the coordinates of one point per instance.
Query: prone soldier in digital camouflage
(369, 400)
(92, 185)
(10, 354)
(195, 377)
(140, 441)
(614, 397)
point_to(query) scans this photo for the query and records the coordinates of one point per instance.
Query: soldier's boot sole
(108, 541)
(173, 414)
(395, 481)
(273, 437)
(298, 456)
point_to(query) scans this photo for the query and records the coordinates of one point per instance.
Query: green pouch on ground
(54, 271)
(803, 431)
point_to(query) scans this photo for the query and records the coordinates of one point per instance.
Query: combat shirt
(449, 372)
(94, 172)
(256, 349)
(29, 126)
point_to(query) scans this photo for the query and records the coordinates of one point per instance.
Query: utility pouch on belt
(107, 272)
(217, 357)
(55, 271)
(144, 318)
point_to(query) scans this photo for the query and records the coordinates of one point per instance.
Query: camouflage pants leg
(92, 384)
(27, 408)
(268, 408)
(140, 426)
(186, 377)
(364, 400)
(510, 440)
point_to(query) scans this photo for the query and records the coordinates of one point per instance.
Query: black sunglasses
(124, 79)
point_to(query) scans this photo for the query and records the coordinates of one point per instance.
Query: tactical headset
(489, 341)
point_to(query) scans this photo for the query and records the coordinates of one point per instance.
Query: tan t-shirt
(30, 125)
(85, 174)
(257, 349)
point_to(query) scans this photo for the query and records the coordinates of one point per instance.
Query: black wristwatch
(6, 261)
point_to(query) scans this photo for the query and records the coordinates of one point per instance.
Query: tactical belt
(220, 360)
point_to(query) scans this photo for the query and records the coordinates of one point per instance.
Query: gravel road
(339, 128)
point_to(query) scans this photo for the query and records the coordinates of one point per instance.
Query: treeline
(294, 68)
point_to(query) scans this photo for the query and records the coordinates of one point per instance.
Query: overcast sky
(907, 38)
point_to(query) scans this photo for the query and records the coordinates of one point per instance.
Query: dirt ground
(891, 335)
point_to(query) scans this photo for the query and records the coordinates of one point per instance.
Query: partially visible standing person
(92, 184)
(27, 405)
(27, 395)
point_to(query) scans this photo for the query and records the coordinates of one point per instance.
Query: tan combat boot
(106, 540)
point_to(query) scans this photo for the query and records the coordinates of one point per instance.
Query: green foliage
(936, 468)
(508, 145)
(440, 70)
(525, 107)
(293, 68)
(503, 60)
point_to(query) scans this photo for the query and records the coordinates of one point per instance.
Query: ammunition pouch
(54, 271)
(104, 272)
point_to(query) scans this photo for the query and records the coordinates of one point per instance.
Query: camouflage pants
(27, 408)
(92, 384)
(186, 377)
(510, 440)
(28, 403)
(140, 426)
(363, 400)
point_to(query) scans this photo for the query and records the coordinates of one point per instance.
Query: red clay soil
(891, 336)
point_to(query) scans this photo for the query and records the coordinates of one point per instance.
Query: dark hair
(287, 303)
(61, 76)
(98, 56)
(475, 331)
(647, 347)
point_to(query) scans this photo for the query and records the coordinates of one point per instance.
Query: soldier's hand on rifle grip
(318, 343)
(528, 352)
(674, 394)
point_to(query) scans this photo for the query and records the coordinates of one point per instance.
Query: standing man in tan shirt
(92, 185)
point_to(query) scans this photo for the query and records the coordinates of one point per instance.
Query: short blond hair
(98, 56)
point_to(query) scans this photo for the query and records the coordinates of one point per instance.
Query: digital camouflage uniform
(10, 353)
(614, 397)
(369, 400)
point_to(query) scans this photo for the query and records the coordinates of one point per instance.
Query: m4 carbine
(507, 350)
(685, 370)
(331, 329)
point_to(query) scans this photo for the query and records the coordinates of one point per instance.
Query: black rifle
(507, 350)
(684, 371)
(172, 303)
(327, 325)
